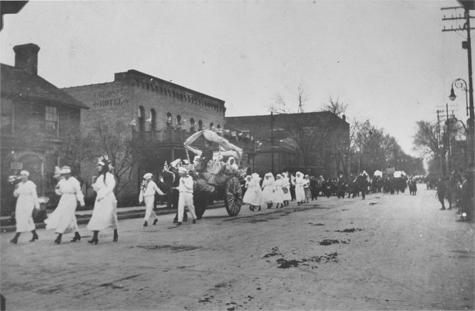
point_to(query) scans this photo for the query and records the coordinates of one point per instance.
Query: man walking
(186, 195)
(147, 193)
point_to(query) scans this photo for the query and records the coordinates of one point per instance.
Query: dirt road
(385, 252)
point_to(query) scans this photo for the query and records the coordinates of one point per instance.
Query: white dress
(299, 191)
(286, 183)
(63, 219)
(104, 214)
(279, 193)
(27, 201)
(268, 190)
(253, 195)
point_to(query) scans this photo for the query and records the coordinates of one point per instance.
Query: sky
(388, 60)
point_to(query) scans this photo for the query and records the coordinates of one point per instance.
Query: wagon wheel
(233, 196)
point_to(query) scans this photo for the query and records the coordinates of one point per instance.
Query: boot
(116, 236)
(77, 237)
(15, 239)
(94, 240)
(35, 236)
(58, 239)
(155, 221)
(145, 224)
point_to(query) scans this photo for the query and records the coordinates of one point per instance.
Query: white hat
(182, 170)
(66, 170)
(279, 176)
(147, 176)
(25, 173)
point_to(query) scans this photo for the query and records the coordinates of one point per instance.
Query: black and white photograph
(237, 155)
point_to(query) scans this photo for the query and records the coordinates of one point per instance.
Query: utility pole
(467, 5)
(449, 136)
(441, 160)
(272, 139)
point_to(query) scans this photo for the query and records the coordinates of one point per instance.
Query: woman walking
(104, 214)
(27, 201)
(299, 190)
(268, 188)
(286, 188)
(278, 192)
(306, 187)
(253, 195)
(63, 219)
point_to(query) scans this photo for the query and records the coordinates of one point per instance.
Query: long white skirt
(253, 196)
(278, 195)
(268, 194)
(24, 213)
(63, 219)
(287, 196)
(104, 214)
(299, 193)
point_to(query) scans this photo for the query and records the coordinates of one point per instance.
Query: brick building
(159, 113)
(314, 141)
(37, 119)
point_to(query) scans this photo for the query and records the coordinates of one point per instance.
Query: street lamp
(460, 84)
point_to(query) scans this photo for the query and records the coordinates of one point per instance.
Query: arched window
(153, 116)
(169, 119)
(141, 116)
(192, 125)
(211, 126)
(200, 125)
(178, 119)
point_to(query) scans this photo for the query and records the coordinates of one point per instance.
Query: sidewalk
(122, 213)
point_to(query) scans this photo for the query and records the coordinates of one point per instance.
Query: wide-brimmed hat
(147, 176)
(24, 173)
(182, 170)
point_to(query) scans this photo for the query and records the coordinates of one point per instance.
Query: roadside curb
(84, 219)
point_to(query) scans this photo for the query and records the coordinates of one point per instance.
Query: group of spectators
(458, 190)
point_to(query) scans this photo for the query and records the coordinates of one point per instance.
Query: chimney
(343, 117)
(26, 57)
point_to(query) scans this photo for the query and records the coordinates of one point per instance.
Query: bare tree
(335, 106)
(427, 141)
(310, 133)
(114, 140)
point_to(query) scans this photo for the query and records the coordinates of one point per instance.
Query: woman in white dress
(104, 214)
(268, 188)
(299, 190)
(278, 192)
(286, 188)
(27, 201)
(63, 219)
(247, 193)
(255, 193)
(306, 187)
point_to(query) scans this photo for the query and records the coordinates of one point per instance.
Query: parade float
(220, 177)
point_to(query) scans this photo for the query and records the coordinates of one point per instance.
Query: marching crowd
(258, 193)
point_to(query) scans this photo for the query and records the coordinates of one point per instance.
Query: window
(169, 119)
(51, 121)
(211, 126)
(153, 116)
(192, 125)
(141, 116)
(200, 125)
(7, 115)
(178, 119)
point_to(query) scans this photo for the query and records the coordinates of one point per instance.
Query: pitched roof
(20, 83)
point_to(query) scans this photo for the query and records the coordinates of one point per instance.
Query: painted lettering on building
(111, 98)
(111, 102)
